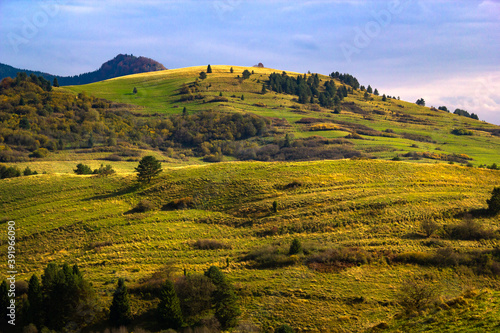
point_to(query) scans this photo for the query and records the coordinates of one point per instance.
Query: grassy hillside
(387, 129)
(370, 210)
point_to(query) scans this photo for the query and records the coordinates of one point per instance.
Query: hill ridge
(122, 64)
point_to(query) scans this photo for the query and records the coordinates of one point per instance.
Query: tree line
(35, 122)
(63, 300)
(308, 89)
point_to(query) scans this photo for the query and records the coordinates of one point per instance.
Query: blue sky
(447, 52)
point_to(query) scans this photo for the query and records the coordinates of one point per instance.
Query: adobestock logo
(372, 29)
(31, 26)
(224, 6)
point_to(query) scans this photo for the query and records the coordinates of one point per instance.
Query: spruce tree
(34, 313)
(494, 201)
(209, 69)
(119, 312)
(169, 308)
(375, 92)
(56, 83)
(295, 247)
(148, 168)
(369, 89)
(225, 300)
(231, 70)
(264, 90)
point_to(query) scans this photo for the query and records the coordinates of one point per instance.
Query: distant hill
(122, 64)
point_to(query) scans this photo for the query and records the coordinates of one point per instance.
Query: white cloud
(478, 93)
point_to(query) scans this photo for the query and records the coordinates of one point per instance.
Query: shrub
(416, 294)
(104, 171)
(269, 257)
(143, 206)
(113, 157)
(82, 169)
(40, 153)
(337, 259)
(210, 244)
(470, 229)
(461, 131)
(283, 329)
(9, 172)
(182, 203)
(28, 172)
(428, 227)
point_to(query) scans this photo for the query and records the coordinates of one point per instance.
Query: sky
(447, 52)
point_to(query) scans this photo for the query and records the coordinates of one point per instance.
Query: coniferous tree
(4, 300)
(264, 90)
(246, 74)
(209, 69)
(369, 89)
(34, 313)
(119, 312)
(231, 70)
(56, 83)
(169, 308)
(494, 201)
(295, 247)
(225, 300)
(134, 91)
(148, 168)
(203, 75)
(375, 92)
(384, 98)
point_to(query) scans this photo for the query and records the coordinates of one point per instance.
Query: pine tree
(34, 313)
(384, 98)
(184, 111)
(375, 92)
(169, 308)
(134, 91)
(231, 70)
(264, 90)
(148, 168)
(209, 69)
(225, 300)
(203, 75)
(56, 83)
(369, 89)
(4, 299)
(494, 201)
(119, 312)
(295, 247)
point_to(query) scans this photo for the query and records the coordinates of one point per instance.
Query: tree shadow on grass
(475, 213)
(126, 190)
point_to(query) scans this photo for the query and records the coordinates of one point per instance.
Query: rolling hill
(386, 198)
(384, 129)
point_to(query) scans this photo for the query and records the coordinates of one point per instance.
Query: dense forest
(37, 120)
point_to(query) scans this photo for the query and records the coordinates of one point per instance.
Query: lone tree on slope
(209, 69)
(119, 312)
(148, 168)
(494, 201)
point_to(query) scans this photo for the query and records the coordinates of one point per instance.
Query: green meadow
(159, 93)
(373, 206)
(361, 222)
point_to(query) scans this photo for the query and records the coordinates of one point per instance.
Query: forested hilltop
(122, 64)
